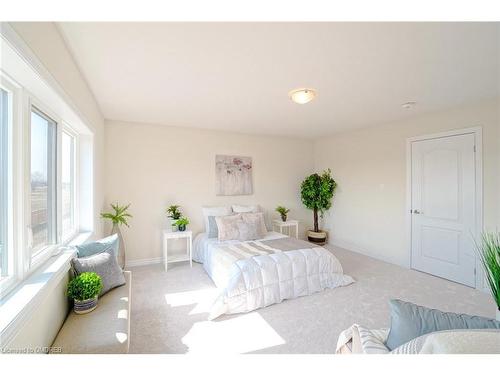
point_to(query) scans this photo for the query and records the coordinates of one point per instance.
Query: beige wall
(47, 44)
(152, 166)
(369, 210)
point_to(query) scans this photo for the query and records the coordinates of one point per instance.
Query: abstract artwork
(233, 175)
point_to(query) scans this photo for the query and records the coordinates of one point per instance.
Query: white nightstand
(287, 224)
(183, 257)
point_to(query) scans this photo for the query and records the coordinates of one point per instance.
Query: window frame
(22, 262)
(66, 238)
(14, 186)
(34, 260)
(52, 182)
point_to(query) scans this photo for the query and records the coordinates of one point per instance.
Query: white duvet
(268, 278)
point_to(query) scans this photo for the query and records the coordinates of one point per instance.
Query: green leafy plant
(283, 211)
(84, 286)
(174, 212)
(119, 215)
(182, 222)
(488, 250)
(317, 192)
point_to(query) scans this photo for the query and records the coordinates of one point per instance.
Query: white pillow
(215, 211)
(239, 209)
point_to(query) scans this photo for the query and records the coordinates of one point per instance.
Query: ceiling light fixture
(408, 105)
(302, 96)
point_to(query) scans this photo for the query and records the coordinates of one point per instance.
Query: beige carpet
(169, 310)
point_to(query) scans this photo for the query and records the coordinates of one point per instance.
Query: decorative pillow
(409, 321)
(372, 341)
(105, 265)
(259, 216)
(215, 211)
(243, 209)
(228, 227)
(108, 244)
(457, 341)
(249, 229)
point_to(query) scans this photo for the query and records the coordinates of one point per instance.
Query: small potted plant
(118, 217)
(174, 213)
(317, 192)
(182, 223)
(283, 211)
(489, 254)
(84, 289)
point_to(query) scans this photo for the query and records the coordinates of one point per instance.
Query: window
(68, 184)
(43, 170)
(4, 182)
(46, 173)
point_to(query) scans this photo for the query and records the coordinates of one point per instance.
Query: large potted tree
(317, 192)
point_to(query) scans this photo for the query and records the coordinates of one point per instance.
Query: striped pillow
(372, 341)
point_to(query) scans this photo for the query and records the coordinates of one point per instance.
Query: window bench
(104, 330)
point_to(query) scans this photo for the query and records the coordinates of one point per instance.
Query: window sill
(18, 306)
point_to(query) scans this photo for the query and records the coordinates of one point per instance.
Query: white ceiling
(236, 76)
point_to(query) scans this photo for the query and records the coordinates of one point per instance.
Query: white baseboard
(361, 250)
(143, 262)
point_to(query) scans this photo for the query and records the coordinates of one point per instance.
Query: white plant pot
(121, 246)
(498, 315)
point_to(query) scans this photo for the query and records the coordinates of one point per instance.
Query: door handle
(417, 212)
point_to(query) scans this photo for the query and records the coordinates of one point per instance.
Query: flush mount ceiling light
(302, 96)
(408, 105)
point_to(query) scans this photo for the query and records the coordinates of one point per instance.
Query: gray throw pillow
(213, 231)
(109, 244)
(409, 321)
(105, 265)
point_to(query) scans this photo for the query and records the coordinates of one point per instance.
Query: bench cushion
(104, 330)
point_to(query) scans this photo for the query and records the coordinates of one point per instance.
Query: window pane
(67, 179)
(43, 186)
(4, 132)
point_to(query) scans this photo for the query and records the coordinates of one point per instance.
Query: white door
(443, 207)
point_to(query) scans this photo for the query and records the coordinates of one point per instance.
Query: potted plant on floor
(174, 213)
(316, 193)
(182, 223)
(84, 289)
(283, 211)
(118, 217)
(488, 250)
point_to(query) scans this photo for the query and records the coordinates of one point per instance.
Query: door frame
(477, 131)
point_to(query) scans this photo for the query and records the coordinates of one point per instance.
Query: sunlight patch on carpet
(241, 334)
(202, 299)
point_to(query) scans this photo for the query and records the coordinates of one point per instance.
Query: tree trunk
(316, 226)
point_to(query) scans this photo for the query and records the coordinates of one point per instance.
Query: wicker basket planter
(85, 306)
(318, 238)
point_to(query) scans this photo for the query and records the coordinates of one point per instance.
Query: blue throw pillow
(409, 321)
(213, 230)
(108, 244)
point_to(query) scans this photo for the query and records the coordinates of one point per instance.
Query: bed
(255, 274)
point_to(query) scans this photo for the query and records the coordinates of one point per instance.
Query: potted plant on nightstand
(118, 217)
(317, 192)
(174, 213)
(84, 289)
(182, 223)
(489, 254)
(283, 211)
